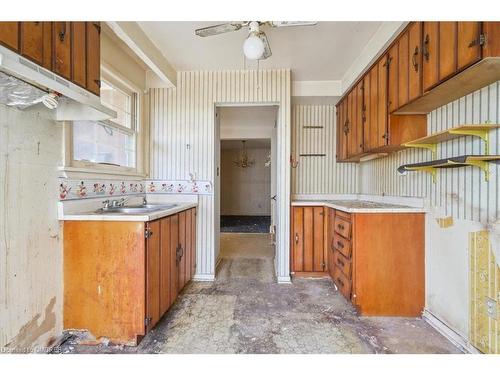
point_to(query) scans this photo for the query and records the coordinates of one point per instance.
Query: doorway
(245, 185)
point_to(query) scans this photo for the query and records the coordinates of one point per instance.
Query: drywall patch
(32, 330)
(445, 222)
(484, 294)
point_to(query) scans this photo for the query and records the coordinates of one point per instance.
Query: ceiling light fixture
(253, 47)
(243, 161)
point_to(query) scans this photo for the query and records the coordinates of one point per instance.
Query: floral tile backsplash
(82, 189)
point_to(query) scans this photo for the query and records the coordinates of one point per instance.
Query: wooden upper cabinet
(403, 69)
(447, 50)
(32, 41)
(469, 44)
(430, 54)
(94, 57)
(62, 49)
(342, 130)
(382, 135)
(393, 83)
(9, 35)
(78, 54)
(351, 123)
(415, 58)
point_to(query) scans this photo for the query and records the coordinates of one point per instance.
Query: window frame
(71, 164)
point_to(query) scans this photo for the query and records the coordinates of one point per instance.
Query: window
(112, 142)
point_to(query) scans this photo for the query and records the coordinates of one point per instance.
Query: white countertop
(359, 206)
(111, 216)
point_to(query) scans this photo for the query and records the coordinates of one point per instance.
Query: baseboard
(203, 277)
(284, 280)
(456, 339)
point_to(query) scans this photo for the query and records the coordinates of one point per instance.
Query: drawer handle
(340, 262)
(340, 244)
(296, 238)
(340, 226)
(340, 282)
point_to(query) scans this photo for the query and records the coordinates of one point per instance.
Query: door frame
(282, 200)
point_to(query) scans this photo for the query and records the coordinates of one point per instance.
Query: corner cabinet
(120, 278)
(68, 49)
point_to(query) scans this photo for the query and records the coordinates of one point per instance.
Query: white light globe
(253, 47)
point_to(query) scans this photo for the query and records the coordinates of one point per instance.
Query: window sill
(86, 172)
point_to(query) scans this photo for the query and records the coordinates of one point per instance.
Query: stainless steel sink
(135, 209)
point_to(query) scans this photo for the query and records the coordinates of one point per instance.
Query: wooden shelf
(480, 161)
(430, 142)
(471, 79)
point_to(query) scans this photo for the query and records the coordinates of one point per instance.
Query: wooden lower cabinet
(377, 261)
(121, 277)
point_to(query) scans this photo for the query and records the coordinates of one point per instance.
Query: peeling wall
(461, 204)
(30, 251)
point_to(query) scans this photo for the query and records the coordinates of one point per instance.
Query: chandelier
(243, 161)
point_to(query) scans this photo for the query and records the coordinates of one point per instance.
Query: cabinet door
(491, 31)
(382, 137)
(366, 111)
(94, 57)
(298, 239)
(447, 49)
(174, 258)
(182, 244)
(62, 49)
(373, 119)
(78, 54)
(359, 118)
(153, 274)
(32, 41)
(189, 245)
(47, 45)
(393, 80)
(165, 267)
(329, 244)
(430, 53)
(318, 226)
(351, 123)
(403, 69)
(193, 242)
(341, 130)
(468, 45)
(415, 57)
(9, 35)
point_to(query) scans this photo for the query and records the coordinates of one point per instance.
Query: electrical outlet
(491, 308)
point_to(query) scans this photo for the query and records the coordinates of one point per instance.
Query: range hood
(23, 84)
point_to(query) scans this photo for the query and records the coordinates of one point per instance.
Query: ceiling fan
(256, 45)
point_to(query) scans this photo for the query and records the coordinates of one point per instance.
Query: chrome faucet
(113, 203)
(144, 201)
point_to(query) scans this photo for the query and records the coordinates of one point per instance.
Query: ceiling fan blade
(267, 48)
(218, 29)
(292, 23)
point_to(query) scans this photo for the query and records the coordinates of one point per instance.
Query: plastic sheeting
(17, 93)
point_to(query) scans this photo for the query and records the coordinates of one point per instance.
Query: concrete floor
(246, 311)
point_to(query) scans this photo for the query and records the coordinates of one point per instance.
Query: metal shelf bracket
(428, 146)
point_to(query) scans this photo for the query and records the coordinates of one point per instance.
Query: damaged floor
(246, 311)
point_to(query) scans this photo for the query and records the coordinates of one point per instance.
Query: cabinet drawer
(342, 227)
(342, 283)
(342, 245)
(343, 263)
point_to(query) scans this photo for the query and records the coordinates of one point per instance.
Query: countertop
(360, 206)
(153, 215)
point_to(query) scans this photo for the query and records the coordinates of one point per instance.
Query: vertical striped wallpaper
(182, 141)
(462, 192)
(319, 174)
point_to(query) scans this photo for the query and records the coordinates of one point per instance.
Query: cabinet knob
(296, 238)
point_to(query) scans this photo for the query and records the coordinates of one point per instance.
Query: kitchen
(383, 187)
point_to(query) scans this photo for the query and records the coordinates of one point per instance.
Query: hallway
(246, 311)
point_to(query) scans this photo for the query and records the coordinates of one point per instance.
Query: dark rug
(245, 224)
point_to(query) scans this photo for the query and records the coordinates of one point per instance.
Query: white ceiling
(313, 53)
(236, 144)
